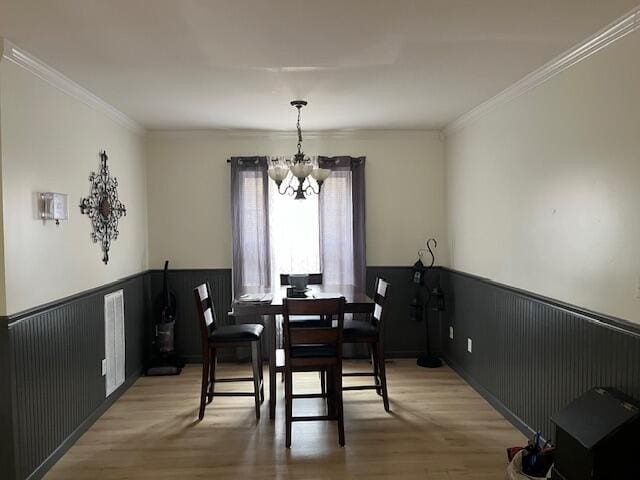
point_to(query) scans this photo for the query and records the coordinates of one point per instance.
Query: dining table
(356, 302)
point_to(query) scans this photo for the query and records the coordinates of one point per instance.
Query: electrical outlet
(469, 345)
(451, 332)
(104, 366)
(638, 289)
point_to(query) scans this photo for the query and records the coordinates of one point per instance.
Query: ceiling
(361, 64)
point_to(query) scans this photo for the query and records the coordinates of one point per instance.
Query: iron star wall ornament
(103, 207)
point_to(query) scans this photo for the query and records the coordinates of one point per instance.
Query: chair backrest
(205, 310)
(314, 279)
(330, 308)
(380, 299)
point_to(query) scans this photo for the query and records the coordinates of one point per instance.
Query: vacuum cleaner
(165, 361)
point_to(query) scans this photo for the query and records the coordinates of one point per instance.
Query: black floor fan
(165, 361)
(434, 301)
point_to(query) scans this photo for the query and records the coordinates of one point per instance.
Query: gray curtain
(250, 223)
(342, 221)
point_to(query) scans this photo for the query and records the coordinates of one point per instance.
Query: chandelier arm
(288, 189)
(309, 188)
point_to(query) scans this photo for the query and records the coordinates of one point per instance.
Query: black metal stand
(428, 360)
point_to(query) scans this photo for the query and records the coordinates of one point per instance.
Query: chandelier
(301, 169)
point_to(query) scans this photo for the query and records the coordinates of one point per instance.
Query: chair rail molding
(616, 30)
(12, 53)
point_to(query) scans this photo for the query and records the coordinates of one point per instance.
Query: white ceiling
(362, 64)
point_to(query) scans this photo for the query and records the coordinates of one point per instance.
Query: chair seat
(305, 321)
(237, 333)
(358, 328)
(313, 351)
(308, 321)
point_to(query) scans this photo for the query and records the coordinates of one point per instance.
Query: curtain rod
(353, 159)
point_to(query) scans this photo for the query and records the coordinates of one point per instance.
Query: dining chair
(371, 333)
(215, 337)
(316, 320)
(314, 279)
(314, 349)
(306, 320)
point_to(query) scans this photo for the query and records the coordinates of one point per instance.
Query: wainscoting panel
(135, 323)
(7, 452)
(532, 355)
(404, 337)
(182, 283)
(57, 382)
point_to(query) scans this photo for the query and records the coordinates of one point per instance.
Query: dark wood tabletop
(357, 301)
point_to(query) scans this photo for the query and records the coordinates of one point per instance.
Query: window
(274, 234)
(294, 229)
(313, 235)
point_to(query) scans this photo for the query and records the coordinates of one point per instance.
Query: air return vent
(114, 340)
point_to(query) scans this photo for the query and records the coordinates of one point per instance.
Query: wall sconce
(53, 206)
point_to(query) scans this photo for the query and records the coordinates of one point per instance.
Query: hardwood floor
(439, 428)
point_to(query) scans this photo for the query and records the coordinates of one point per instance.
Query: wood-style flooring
(439, 429)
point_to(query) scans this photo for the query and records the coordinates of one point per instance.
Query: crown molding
(285, 134)
(43, 71)
(614, 31)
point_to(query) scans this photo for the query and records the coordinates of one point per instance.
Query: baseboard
(511, 417)
(57, 454)
(192, 359)
(403, 354)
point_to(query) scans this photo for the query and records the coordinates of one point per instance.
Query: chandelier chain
(299, 130)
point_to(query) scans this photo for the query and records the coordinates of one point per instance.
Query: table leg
(272, 366)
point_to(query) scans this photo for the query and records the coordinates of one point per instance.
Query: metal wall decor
(103, 207)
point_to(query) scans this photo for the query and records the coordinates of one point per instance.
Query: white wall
(50, 142)
(3, 304)
(189, 198)
(543, 193)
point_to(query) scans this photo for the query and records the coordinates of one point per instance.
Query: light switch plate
(104, 366)
(451, 332)
(469, 345)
